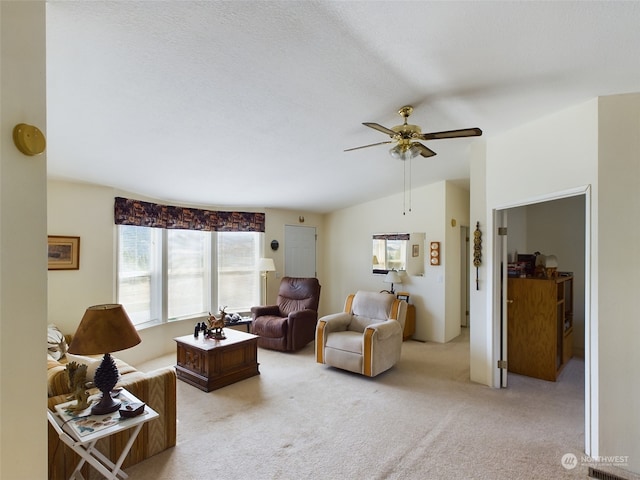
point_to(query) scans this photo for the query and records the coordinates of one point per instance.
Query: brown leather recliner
(291, 324)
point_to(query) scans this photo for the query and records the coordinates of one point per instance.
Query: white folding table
(81, 431)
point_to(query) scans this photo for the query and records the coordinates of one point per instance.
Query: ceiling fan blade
(367, 146)
(465, 132)
(380, 128)
(424, 151)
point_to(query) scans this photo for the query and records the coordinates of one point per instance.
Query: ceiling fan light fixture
(405, 152)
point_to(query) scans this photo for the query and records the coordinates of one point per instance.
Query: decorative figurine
(216, 325)
(77, 374)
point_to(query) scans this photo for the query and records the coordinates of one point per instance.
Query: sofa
(157, 389)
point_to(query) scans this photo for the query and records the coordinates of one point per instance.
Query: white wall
(517, 225)
(347, 254)
(23, 244)
(592, 145)
(618, 276)
(552, 156)
(480, 331)
(274, 230)
(456, 214)
(87, 211)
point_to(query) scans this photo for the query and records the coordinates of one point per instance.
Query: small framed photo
(63, 253)
(415, 250)
(403, 296)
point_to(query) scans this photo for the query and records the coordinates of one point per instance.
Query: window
(138, 271)
(238, 285)
(188, 273)
(166, 275)
(389, 252)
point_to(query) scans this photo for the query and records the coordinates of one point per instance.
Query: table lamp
(392, 277)
(102, 330)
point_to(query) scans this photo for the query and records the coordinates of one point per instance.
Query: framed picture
(403, 296)
(63, 253)
(415, 250)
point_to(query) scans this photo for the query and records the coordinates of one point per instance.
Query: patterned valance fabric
(391, 236)
(147, 214)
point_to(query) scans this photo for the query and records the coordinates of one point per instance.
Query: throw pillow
(57, 345)
(91, 363)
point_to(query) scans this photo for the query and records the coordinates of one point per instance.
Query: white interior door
(299, 251)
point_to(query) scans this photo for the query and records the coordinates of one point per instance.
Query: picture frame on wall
(63, 253)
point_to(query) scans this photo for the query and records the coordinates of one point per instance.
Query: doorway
(465, 294)
(559, 225)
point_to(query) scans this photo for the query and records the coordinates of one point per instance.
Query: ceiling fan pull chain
(410, 174)
(404, 188)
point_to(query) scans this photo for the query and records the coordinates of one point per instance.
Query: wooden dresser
(540, 326)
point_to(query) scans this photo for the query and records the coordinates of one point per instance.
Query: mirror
(389, 252)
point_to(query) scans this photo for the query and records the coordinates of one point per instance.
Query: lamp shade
(392, 277)
(104, 329)
(266, 265)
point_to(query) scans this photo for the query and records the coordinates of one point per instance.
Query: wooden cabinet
(409, 323)
(540, 326)
(209, 364)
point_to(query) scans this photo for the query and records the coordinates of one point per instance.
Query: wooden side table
(409, 323)
(81, 431)
(209, 364)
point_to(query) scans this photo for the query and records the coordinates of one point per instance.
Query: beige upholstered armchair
(366, 338)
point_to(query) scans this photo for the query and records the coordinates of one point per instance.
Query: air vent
(600, 475)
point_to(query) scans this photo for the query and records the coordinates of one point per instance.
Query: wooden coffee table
(209, 364)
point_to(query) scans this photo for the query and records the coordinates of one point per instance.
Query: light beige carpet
(423, 419)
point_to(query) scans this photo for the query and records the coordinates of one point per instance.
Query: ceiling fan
(405, 136)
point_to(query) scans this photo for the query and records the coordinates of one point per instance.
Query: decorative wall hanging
(477, 251)
(434, 253)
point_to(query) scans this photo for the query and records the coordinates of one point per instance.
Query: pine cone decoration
(106, 375)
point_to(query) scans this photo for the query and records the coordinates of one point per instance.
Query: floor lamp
(266, 265)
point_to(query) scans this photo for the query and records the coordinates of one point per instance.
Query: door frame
(591, 397)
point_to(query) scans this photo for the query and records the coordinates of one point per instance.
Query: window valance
(147, 214)
(391, 236)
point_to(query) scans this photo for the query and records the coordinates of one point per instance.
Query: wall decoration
(63, 253)
(434, 253)
(477, 252)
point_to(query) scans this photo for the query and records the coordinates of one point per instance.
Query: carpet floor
(423, 419)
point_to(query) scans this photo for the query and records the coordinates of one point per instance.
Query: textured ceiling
(251, 103)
